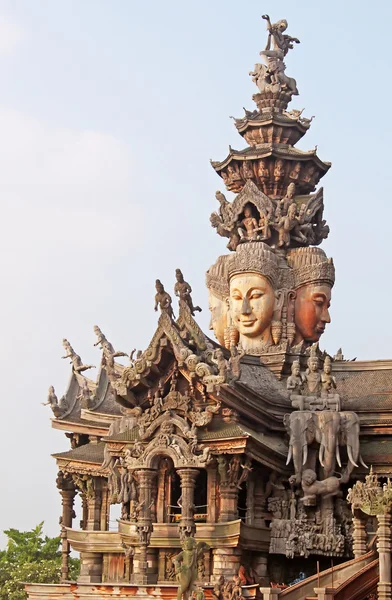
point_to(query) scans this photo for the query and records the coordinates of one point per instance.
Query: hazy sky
(109, 113)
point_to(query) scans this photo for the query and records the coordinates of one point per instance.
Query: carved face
(292, 211)
(295, 370)
(252, 302)
(219, 312)
(313, 365)
(311, 311)
(327, 368)
(247, 212)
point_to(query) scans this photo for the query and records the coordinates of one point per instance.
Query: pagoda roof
(255, 118)
(265, 150)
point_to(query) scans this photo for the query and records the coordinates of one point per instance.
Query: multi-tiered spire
(275, 219)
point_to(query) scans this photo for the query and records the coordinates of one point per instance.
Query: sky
(109, 114)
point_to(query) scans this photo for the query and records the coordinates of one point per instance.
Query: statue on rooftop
(295, 382)
(163, 300)
(183, 290)
(106, 346)
(57, 407)
(271, 76)
(76, 361)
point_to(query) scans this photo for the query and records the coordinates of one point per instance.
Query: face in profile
(252, 301)
(219, 311)
(311, 311)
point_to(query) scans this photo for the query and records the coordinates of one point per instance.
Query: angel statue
(185, 564)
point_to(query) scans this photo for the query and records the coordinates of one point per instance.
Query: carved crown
(255, 257)
(311, 265)
(217, 280)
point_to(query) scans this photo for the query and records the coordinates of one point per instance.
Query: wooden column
(228, 502)
(68, 492)
(94, 503)
(211, 494)
(258, 500)
(105, 508)
(384, 554)
(250, 506)
(144, 526)
(187, 525)
(359, 534)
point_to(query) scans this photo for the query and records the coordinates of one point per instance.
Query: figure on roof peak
(106, 346)
(163, 299)
(281, 43)
(183, 290)
(76, 361)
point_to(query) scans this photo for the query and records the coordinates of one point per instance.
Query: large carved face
(252, 302)
(219, 312)
(311, 311)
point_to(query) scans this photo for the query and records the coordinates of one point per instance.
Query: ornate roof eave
(86, 428)
(278, 119)
(276, 150)
(254, 406)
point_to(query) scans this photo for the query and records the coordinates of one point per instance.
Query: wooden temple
(260, 450)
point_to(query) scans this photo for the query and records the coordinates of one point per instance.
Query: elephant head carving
(327, 434)
(349, 436)
(301, 429)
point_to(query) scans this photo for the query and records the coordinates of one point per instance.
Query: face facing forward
(311, 311)
(219, 310)
(252, 301)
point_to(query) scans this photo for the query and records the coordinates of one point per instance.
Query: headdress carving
(217, 279)
(256, 257)
(311, 265)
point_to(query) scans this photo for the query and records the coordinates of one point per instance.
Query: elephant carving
(327, 435)
(330, 429)
(349, 436)
(301, 429)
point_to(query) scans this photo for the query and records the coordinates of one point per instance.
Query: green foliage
(30, 557)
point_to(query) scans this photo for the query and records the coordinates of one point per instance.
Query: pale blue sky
(109, 114)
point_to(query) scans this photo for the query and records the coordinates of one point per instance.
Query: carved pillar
(359, 534)
(270, 593)
(188, 483)
(144, 526)
(161, 565)
(384, 554)
(211, 494)
(94, 503)
(90, 567)
(104, 524)
(250, 504)
(258, 500)
(228, 502)
(226, 562)
(68, 492)
(163, 492)
(83, 520)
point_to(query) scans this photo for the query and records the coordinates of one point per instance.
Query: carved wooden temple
(242, 450)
